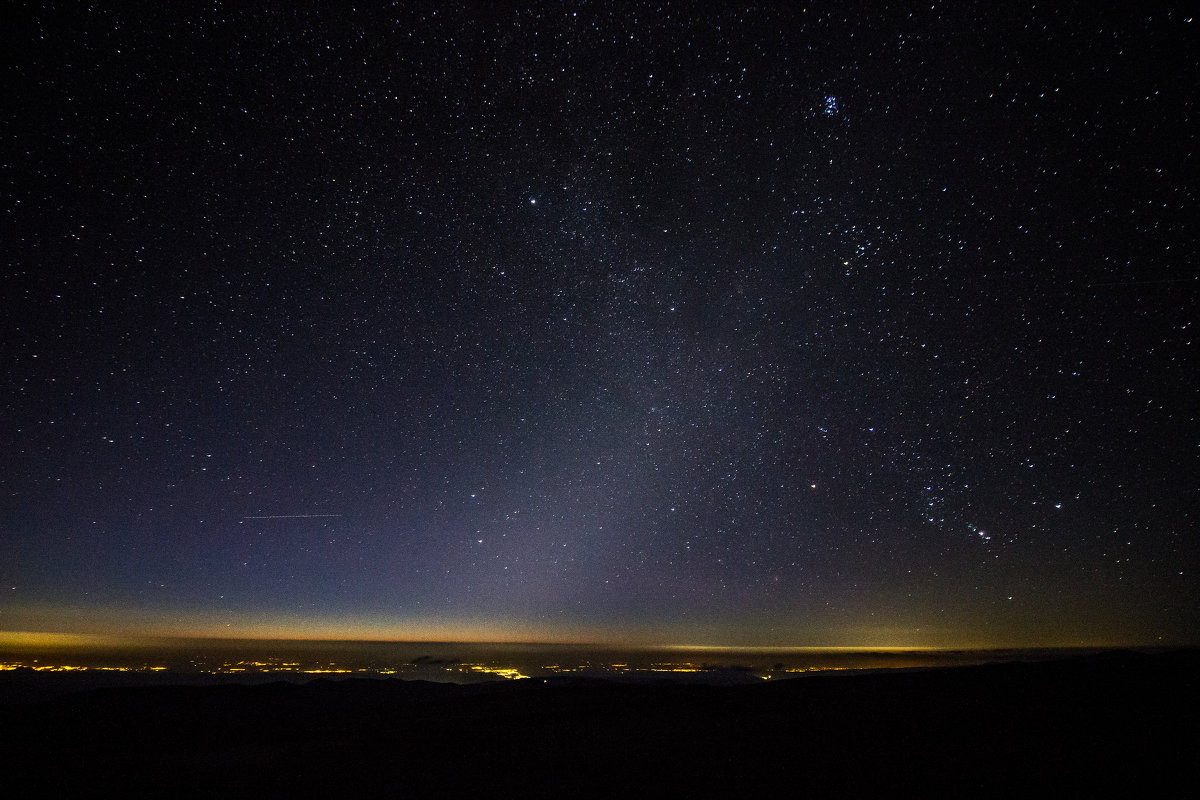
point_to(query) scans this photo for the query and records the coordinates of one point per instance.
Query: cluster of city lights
(455, 668)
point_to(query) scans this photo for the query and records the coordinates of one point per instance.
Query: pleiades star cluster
(621, 322)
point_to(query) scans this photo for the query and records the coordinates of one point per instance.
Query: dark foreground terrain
(1087, 726)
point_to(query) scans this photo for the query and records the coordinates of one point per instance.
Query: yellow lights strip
(503, 672)
(497, 670)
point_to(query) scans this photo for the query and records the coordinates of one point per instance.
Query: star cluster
(772, 325)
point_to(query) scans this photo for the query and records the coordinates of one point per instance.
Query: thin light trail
(295, 516)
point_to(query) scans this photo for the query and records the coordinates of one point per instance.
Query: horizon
(119, 660)
(13, 640)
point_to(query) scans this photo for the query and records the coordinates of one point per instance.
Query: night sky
(601, 322)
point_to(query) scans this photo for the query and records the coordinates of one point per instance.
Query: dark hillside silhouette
(1085, 725)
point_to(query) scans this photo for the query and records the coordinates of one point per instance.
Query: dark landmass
(1090, 725)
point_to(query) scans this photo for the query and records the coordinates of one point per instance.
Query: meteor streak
(295, 516)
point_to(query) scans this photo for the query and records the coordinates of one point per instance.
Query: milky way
(602, 322)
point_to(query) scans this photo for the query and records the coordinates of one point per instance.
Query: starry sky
(621, 322)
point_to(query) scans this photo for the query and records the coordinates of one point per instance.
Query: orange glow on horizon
(51, 627)
(50, 639)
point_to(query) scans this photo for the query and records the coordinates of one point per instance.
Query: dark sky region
(765, 325)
